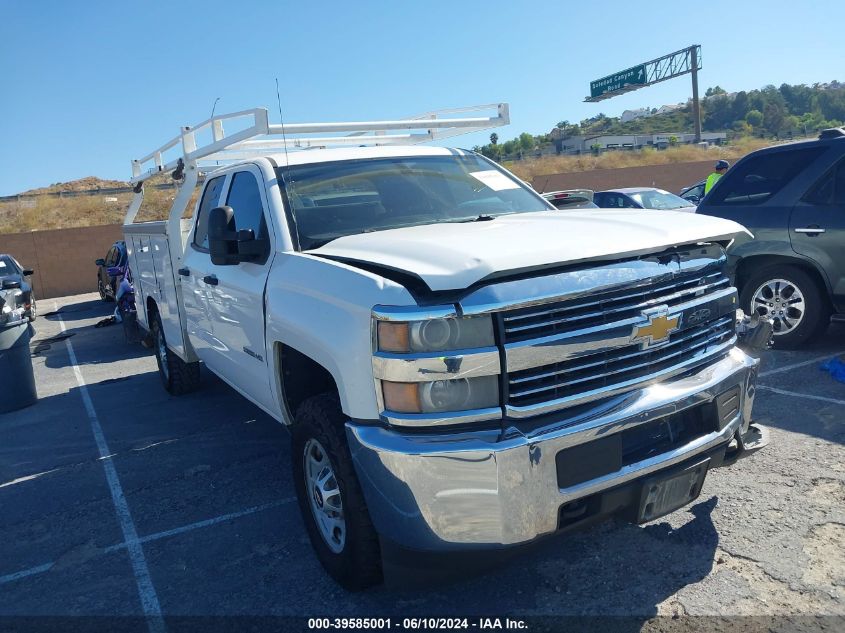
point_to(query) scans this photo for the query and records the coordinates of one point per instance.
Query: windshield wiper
(482, 217)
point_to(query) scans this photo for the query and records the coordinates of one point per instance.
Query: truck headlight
(436, 396)
(434, 335)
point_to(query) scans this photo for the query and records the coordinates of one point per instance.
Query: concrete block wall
(672, 177)
(63, 259)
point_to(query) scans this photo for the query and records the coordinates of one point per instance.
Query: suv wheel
(101, 288)
(791, 298)
(177, 376)
(330, 497)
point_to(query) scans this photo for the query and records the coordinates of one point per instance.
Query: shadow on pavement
(81, 310)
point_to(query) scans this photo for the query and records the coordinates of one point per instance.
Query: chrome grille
(556, 318)
(612, 369)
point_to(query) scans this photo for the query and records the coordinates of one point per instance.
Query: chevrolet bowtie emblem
(657, 330)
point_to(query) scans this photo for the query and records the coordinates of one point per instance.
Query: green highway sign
(634, 76)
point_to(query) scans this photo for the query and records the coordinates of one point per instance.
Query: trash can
(16, 367)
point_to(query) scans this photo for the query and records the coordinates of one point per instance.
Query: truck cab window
(245, 199)
(209, 200)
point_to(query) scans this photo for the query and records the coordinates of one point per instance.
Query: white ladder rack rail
(261, 137)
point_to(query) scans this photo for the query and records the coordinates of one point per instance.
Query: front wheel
(330, 497)
(177, 376)
(101, 288)
(791, 299)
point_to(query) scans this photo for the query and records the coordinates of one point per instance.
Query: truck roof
(332, 154)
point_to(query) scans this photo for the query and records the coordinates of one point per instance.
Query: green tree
(742, 128)
(754, 118)
(715, 90)
(526, 141)
(773, 118)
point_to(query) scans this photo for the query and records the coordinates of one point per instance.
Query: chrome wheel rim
(783, 302)
(162, 354)
(323, 492)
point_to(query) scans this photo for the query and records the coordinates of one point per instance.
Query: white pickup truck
(461, 365)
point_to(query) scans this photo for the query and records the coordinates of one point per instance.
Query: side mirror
(222, 239)
(100, 262)
(228, 246)
(8, 284)
(27, 272)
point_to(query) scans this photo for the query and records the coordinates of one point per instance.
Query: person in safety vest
(719, 171)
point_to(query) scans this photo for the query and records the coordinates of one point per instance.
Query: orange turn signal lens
(402, 397)
(393, 337)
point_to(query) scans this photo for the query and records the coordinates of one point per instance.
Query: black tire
(816, 314)
(177, 376)
(358, 564)
(101, 288)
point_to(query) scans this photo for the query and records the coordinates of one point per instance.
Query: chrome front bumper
(451, 491)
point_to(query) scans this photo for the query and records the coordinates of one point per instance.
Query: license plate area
(662, 495)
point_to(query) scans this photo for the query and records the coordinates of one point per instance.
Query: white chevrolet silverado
(461, 365)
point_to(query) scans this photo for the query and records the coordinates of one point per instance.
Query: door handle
(211, 280)
(810, 230)
(185, 272)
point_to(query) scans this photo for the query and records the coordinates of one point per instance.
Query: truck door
(195, 270)
(236, 295)
(817, 226)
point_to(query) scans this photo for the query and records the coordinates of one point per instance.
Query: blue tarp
(835, 367)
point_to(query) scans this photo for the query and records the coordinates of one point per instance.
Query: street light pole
(696, 107)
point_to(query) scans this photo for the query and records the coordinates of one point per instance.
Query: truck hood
(453, 256)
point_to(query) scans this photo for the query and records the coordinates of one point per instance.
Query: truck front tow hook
(755, 333)
(745, 444)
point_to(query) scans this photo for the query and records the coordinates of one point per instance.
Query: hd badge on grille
(658, 328)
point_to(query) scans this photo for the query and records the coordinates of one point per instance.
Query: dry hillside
(82, 184)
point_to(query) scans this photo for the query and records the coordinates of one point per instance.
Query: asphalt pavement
(120, 501)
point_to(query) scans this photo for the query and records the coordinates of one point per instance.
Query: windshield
(7, 266)
(659, 199)
(331, 200)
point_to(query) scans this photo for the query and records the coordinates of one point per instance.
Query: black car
(16, 287)
(106, 281)
(693, 193)
(792, 198)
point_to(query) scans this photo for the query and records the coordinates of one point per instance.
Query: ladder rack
(260, 137)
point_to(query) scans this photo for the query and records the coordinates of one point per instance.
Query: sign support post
(696, 106)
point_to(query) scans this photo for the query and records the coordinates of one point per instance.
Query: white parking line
(40, 569)
(797, 394)
(812, 361)
(146, 590)
(206, 523)
(26, 572)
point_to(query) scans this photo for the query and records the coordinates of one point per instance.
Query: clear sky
(87, 85)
